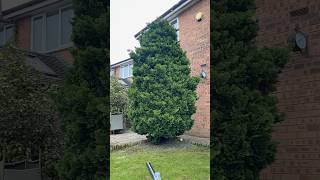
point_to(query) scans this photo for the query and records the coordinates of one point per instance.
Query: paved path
(127, 138)
(196, 140)
(131, 138)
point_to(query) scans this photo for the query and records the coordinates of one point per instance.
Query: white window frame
(178, 29)
(44, 32)
(4, 35)
(122, 73)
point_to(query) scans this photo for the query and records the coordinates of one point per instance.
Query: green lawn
(173, 162)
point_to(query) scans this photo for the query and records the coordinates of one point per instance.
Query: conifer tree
(162, 97)
(83, 102)
(244, 104)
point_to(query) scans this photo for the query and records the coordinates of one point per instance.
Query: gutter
(121, 62)
(28, 7)
(172, 12)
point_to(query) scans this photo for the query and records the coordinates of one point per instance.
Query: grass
(177, 161)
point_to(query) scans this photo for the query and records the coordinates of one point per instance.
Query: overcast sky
(127, 17)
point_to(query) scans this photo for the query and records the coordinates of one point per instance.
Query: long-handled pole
(155, 175)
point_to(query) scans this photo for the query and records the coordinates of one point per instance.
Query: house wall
(298, 156)
(23, 39)
(117, 71)
(195, 40)
(23, 33)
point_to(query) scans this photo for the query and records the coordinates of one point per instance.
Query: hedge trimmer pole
(155, 175)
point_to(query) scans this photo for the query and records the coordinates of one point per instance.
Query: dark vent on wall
(299, 12)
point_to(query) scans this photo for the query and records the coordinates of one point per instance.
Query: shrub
(162, 96)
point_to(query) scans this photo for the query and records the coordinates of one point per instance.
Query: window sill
(57, 49)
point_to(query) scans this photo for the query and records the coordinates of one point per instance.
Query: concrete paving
(129, 138)
(195, 140)
(125, 139)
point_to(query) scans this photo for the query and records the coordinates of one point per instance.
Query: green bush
(162, 97)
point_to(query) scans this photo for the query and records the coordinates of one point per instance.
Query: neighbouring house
(41, 32)
(39, 26)
(123, 71)
(284, 22)
(191, 19)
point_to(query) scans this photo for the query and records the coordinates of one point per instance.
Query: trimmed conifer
(244, 103)
(83, 102)
(162, 97)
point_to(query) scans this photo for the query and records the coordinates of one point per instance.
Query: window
(51, 31)
(175, 24)
(6, 33)
(126, 71)
(66, 26)
(37, 30)
(130, 70)
(9, 32)
(112, 72)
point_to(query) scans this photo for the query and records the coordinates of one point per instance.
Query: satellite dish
(301, 40)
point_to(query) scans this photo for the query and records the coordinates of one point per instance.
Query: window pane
(178, 36)
(9, 33)
(122, 72)
(52, 31)
(37, 33)
(1, 37)
(125, 71)
(130, 70)
(66, 27)
(174, 23)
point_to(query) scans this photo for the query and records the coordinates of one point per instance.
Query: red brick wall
(23, 35)
(195, 40)
(117, 71)
(298, 156)
(64, 54)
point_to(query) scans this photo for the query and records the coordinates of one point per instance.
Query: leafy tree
(28, 122)
(162, 96)
(118, 96)
(83, 102)
(244, 104)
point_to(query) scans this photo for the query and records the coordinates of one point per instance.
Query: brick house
(191, 18)
(41, 31)
(123, 71)
(38, 26)
(296, 22)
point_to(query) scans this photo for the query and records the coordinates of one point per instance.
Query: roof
(50, 68)
(175, 8)
(121, 62)
(31, 7)
(21, 6)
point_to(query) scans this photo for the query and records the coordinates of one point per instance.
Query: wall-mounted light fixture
(199, 16)
(203, 74)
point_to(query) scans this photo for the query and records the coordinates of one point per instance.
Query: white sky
(128, 17)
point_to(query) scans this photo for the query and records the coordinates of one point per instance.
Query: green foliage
(28, 115)
(118, 96)
(162, 97)
(83, 102)
(244, 104)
